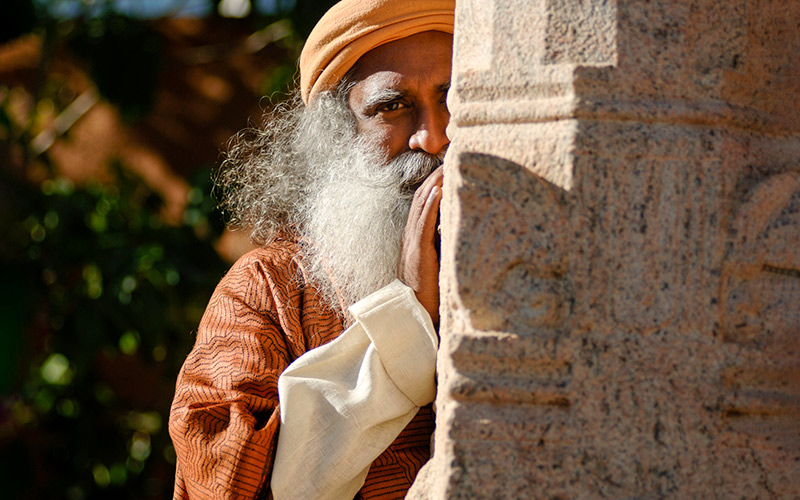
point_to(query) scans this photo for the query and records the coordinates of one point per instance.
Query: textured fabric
(351, 28)
(342, 404)
(225, 417)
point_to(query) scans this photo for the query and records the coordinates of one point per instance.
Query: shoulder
(266, 273)
(278, 254)
(275, 259)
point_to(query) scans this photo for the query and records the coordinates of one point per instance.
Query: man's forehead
(420, 60)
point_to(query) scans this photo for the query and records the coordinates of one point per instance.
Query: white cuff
(342, 404)
(391, 318)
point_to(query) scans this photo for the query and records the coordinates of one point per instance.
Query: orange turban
(351, 28)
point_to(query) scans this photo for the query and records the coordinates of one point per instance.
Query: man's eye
(392, 106)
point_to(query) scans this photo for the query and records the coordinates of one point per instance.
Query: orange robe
(225, 416)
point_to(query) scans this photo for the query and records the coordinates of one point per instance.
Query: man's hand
(419, 263)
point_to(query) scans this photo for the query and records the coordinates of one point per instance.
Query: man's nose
(429, 134)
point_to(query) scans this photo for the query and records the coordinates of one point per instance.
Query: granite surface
(621, 252)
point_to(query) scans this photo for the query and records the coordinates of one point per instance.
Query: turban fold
(351, 28)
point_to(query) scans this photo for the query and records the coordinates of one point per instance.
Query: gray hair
(268, 170)
(307, 175)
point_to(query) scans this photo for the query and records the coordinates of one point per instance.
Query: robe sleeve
(344, 403)
(224, 418)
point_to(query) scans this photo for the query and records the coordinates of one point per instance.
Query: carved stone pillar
(621, 252)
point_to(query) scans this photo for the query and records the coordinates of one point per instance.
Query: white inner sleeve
(344, 403)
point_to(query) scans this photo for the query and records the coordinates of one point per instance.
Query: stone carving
(520, 260)
(761, 276)
(761, 326)
(621, 252)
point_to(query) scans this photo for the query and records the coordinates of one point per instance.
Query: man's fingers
(426, 225)
(419, 264)
(436, 177)
(423, 193)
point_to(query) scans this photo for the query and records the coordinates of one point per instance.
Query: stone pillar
(621, 252)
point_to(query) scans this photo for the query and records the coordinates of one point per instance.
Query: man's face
(399, 96)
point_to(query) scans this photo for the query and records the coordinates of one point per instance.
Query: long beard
(307, 173)
(355, 215)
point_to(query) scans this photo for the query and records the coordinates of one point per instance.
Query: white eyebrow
(382, 96)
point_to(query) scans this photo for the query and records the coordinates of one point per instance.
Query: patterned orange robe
(225, 416)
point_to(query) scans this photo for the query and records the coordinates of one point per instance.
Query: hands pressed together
(419, 262)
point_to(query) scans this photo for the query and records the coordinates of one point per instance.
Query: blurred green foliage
(99, 297)
(98, 294)
(124, 59)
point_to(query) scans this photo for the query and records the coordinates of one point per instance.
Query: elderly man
(313, 370)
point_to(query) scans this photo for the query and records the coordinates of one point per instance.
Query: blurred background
(113, 114)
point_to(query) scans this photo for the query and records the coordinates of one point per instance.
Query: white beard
(352, 219)
(306, 171)
(355, 216)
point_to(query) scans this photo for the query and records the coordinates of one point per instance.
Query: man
(342, 192)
